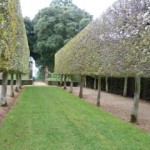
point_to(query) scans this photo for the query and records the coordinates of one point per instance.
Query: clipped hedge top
(116, 44)
(14, 51)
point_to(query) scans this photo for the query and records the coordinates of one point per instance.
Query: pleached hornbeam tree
(135, 107)
(125, 86)
(65, 84)
(12, 85)
(106, 82)
(99, 91)
(81, 86)
(3, 101)
(71, 84)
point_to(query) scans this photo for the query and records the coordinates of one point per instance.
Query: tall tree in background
(31, 37)
(54, 26)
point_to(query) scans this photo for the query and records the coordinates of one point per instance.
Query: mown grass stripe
(50, 118)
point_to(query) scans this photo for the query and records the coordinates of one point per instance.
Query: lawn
(49, 118)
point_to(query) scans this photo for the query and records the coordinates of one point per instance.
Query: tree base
(4, 104)
(98, 104)
(65, 88)
(17, 90)
(60, 84)
(12, 95)
(80, 95)
(125, 95)
(133, 119)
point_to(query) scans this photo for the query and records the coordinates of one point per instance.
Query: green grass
(49, 118)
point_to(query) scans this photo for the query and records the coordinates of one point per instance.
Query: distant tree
(31, 36)
(55, 26)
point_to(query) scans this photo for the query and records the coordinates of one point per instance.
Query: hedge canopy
(116, 44)
(14, 50)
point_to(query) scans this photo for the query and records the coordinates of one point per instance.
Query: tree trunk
(71, 84)
(3, 100)
(20, 80)
(135, 107)
(65, 85)
(17, 82)
(12, 85)
(125, 86)
(106, 80)
(81, 86)
(85, 85)
(31, 72)
(46, 74)
(99, 91)
(95, 83)
(61, 80)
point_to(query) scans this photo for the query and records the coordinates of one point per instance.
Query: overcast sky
(94, 7)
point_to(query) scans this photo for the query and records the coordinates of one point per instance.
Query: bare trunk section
(3, 100)
(125, 86)
(61, 80)
(106, 80)
(20, 80)
(99, 91)
(85, 85)
(46, 74)
(17, 82)
(95, 83)
(12, 85)
(31, 71)
(81, 86)
(65, 85)
(71, 84)
(134, 113)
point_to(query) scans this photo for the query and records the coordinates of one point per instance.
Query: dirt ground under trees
(119, 106)
(115, 104)
(10, 102)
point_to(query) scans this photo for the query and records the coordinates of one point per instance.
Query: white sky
(94, 7)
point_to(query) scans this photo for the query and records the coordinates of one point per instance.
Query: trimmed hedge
(14, 50)
(57, 83)
(24, 82)
(117, 44)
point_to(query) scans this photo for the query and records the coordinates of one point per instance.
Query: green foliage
(116, 44)
(57, 77)
(50, 118)
(14, 52)
(56, 25)
(31, 36)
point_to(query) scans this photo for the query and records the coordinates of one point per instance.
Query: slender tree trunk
(71, 84)
(20, 80)
(95, 83)
(106, 80)
(81, 86)
(61, 80)
(85, 85)
(65, 85)
(46, 74)
(135, 107)
(31, 71)
(125, 86)
(17, 82)
(99, 91)
(12, 85)
(3, 100)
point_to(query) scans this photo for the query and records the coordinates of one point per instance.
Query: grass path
(48, 118)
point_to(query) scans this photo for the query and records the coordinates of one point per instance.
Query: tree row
(14, 51)
(117, 44)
